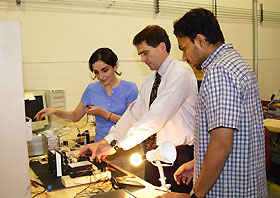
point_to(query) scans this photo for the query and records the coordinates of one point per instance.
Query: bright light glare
(136, 159)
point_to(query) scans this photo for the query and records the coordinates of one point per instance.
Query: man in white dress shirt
(170, 116)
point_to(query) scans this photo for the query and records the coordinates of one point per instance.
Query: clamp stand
(162, 178)
(85, 134)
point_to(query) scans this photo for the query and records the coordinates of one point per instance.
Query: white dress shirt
(171, 115)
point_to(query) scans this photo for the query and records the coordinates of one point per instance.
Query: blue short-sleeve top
(95, 95)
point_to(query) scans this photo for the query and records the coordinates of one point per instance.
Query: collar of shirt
(164, 65)
(215, 54)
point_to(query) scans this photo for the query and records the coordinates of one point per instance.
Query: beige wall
(269, 61)
(57, 44)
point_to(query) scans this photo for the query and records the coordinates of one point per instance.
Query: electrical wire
(39, 193)
(81, 126)
(95, 188)
(33, 182)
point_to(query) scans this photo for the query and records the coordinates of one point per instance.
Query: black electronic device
(57, 162)
(86, 157)
(84, 138)
(59, 165)
(102, 166)
(81, 168)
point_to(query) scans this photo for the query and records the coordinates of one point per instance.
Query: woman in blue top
(107, 99)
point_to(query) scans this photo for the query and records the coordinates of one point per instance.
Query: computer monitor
(35, 101)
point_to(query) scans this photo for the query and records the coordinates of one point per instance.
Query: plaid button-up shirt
(229, 97)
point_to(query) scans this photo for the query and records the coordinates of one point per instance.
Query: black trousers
(185, 153)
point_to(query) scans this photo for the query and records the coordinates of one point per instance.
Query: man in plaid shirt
(229, 133)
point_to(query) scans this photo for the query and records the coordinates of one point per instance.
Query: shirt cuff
(110, 138)
(122, 142)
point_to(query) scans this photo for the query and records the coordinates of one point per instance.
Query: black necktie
(151, 141)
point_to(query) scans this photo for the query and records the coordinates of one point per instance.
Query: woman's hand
(95, 111)
(45, 112)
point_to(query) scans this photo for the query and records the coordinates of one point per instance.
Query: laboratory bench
(44, 184)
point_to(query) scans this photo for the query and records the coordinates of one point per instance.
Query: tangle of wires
(96, 187)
